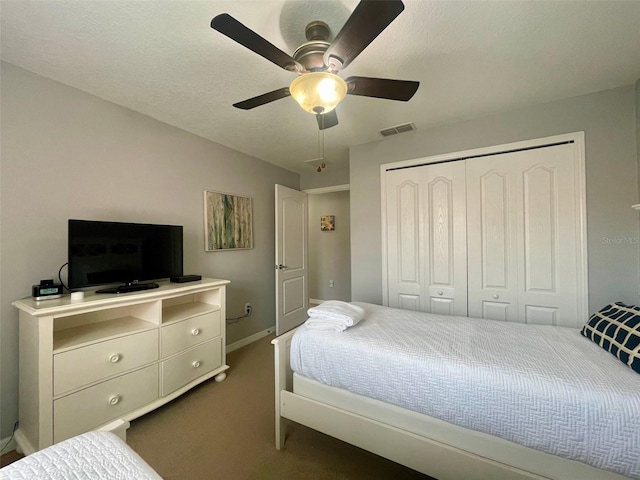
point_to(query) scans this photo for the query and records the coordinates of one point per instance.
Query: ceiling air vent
(405, 127)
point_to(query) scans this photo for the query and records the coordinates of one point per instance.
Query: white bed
(464, 398)
(96, 455)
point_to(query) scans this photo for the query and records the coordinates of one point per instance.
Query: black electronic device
(129, 287)
(46, 290)
(185, 278)
(130, 254)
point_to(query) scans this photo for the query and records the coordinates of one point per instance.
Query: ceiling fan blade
(232, 28)
(327, 120)
(366, 22)
(401, 90)
(262, 99)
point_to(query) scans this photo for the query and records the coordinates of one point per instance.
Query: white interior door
(523, 264)
(405, 241)
(493, 196)
(292, 286)
(493, 233)
(445, 232)
(426, 238)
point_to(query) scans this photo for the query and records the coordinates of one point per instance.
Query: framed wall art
(327, 223)
(228, 222)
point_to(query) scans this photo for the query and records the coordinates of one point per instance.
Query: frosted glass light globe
(318, 92)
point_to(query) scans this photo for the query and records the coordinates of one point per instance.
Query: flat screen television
(130, 254)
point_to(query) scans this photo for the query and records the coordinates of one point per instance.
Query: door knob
(281, 267)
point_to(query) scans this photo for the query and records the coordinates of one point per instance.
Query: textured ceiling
(161, 58)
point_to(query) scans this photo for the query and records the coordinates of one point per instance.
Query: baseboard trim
(11, 445)
(250, 339)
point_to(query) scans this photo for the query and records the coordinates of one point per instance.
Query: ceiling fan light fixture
(318, 92)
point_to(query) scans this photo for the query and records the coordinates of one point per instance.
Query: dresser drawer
(75, 368)
(188, 333)
(182, 369)
(93, 406)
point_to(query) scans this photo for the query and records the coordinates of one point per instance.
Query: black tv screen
(103, 253)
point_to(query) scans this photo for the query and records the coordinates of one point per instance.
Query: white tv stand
(86, 363)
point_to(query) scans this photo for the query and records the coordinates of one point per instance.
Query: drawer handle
(196, 364)
(114, 399)
(114, 358)
(195, 331)
(496, 296)
(440, 292)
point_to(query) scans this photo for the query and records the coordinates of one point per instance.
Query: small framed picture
(327, 223)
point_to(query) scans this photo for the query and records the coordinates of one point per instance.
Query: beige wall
(638, 132)
(329, 177)
(66, 154)
(329, 252)
(609, 122)
(638, 147)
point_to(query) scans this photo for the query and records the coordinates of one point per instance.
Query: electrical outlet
(247, 308)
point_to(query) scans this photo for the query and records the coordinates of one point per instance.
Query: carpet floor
(226, 431)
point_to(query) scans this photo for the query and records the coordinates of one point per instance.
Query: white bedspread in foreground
(544, 387)
(92, 456)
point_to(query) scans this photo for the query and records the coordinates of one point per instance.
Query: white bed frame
(433, 447)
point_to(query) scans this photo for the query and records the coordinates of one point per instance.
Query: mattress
(543, 387)
(95, 455)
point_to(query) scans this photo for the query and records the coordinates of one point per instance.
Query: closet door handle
(281, 267)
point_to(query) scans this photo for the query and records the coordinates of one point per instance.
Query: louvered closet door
(521, 234)
(426, 238)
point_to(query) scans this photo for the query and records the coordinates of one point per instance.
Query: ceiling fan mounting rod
(317, 30)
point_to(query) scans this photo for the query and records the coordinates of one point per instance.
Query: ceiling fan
(318, 88)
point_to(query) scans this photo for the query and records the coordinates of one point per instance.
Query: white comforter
(91, 456)
(544, 387)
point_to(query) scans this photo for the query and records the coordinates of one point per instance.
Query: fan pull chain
(321, 146)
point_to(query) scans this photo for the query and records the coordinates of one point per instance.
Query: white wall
(608, 120)
(66, 154)
(329, 251)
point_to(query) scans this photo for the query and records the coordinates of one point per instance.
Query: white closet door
(404, 240)
(492, 238)
(522, 236)
(426, 238)
(445, 233)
